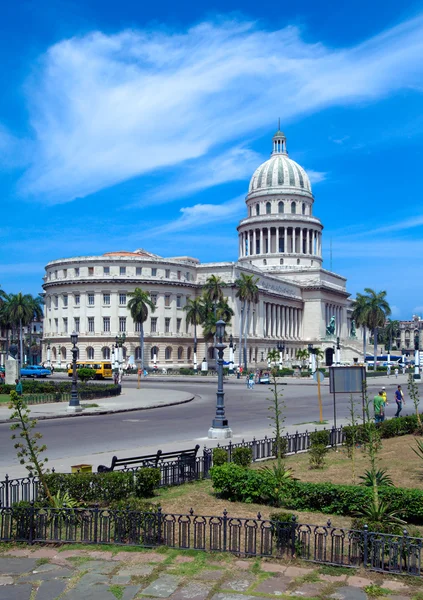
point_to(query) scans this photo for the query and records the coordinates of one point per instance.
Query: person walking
(379, 407)
(19, 388)
(399, 399)
(396, 373)
(251, 381)
(385, 401)
(388, 370)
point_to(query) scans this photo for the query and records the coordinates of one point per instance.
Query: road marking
(134, 420)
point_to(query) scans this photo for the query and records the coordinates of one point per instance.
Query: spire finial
(279, 124)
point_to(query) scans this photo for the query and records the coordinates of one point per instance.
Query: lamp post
(48, 355)
(120, 340)
(338, 352)
(281, 347)
(416, 358)
(74, 405)
(220, 429)
(231, 354)
(314, 353)
(59, 359)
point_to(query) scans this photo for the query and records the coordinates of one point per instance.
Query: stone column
(277, 239)
(261, 241)
(301, 241)
(254, 242)
(307, 241)
(285, 244)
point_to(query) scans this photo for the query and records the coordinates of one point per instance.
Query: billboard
(346, 380)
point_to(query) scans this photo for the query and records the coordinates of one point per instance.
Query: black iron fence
(174, 472)
(245, 537)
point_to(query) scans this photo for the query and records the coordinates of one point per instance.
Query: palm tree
(377, 311)
(138, 305)
(392, 331)
(213, 292)
(195, 316)
(248, 293)
(223, 311)
(20, 311)
(303, 356)
(359, 315)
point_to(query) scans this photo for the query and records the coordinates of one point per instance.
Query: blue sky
(127, 125)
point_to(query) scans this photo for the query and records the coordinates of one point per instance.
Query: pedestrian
(396, 373)
(18, 388)
(378, 405)
(403, 369)
(52, 369)
(399, 399)
(238, 372)
(247, 380)
(388, 370)
(385, 401)
(251, 381)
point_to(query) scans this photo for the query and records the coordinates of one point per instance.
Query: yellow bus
(103, 370)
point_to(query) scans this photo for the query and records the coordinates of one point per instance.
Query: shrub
(91, 487)
(242, 456)
(133, 503)
(318, 438)
(246, 485)
(146, 479)
(282, 516)
(220, 457)
(283, 446)
(85, 374)
(317, 455)
(186, 371)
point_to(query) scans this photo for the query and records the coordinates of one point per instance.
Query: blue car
(34, 371)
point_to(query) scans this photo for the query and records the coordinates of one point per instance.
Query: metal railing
(173, 472)
(324, 544)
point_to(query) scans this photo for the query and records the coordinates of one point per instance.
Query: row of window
(122, 325)
(281, 208)
(153, 271)
(107, 355)
(106, 300)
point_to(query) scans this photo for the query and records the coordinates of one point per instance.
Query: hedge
(388, 429)
(50, 387)
(235, 483)
(104, 487)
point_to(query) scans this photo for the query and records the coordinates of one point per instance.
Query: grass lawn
(4, 398)
(405, 468)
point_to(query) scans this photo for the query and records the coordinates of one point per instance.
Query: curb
(103, 412)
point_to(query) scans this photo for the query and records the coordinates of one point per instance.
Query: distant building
(280, 242)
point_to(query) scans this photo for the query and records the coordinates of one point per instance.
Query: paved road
(246, 410)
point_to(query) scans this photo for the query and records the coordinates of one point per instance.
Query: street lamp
(338, 352)
(281, 347)
(74, 405)
(416, 358)
(220, 429)
(120, 340)
(48, 355)
(231, 354)
(59, 359)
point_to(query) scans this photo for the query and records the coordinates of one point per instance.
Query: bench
(185, 462)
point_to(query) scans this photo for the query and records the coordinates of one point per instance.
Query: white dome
(279, 171)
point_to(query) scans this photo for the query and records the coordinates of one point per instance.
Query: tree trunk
(195, 346)
(375, 349)
(364, 345)
(247, 325)
(241, 327)
(20, 343)
(142, 347)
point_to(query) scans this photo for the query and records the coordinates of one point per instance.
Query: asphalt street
(247, 411)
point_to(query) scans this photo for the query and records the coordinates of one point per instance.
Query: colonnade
(284, 240)
(282, 321)
(333, 310)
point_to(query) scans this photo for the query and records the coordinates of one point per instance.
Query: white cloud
(316, 176)
(105, 108)
(201, 215)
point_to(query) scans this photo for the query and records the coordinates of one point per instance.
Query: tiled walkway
(51, 574)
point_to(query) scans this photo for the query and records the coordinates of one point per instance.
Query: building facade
(280, 243)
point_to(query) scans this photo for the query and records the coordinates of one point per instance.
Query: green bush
(186, 371)
(32, 386)
(146, 480)
(388, 429)
(85, 374)
(246, 485)
(133, 503)
(220, 457)
(317, 455)
(91, 487)
(242, 456)
(320, 438)
(282, 516)
(283, 446)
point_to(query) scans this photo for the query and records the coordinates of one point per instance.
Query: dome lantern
(279, 141)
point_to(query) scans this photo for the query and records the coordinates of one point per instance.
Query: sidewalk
(50, 573)
(129, 400)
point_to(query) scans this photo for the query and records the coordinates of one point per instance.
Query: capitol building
(280, 243)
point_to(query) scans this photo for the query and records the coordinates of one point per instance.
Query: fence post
(293, 536)
(254, 449)
(159, 540)
(31, 523)
(230, 451)
(96, 511)
(225, 529)
(365, 546)
(6, 487)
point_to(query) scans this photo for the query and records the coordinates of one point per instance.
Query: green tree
(359, 315)
(20, 310)
(195, 316)
(138, 305)
(248, 293)
(391, 331)
(212, 294)
(378, 310)
(303, 355)
(222, 311)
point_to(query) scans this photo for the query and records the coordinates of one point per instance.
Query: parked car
(264, 378)
(35, 371)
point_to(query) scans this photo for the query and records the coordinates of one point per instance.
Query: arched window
(211, 353)
(251, 211)
(124, 352)
(106, 353)
(293, 208)
(154, 352)
(304, 208)
(257, 209)
(168, 353)
(54, 353)
(298, 261)
(189, 354)
(138, 353)
(268, 208)
(90, 353)
(180, 353)
(281, 261)
(63, 353)
(281, 207)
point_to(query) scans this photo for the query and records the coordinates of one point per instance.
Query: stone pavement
(46, 573)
